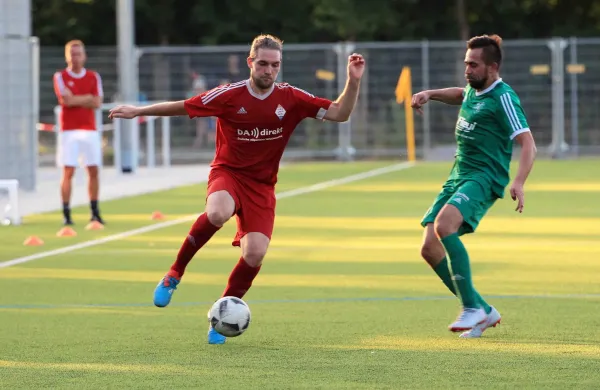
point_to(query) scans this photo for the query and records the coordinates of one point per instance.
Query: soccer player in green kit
(489, 121)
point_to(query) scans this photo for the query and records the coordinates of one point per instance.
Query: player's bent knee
(254, 248)
(444, 228)
(433, 252)
(448, 221)
(218, 216)
(220, 207)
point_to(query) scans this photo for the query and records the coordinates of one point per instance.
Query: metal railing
(558, 81)
(135, 135)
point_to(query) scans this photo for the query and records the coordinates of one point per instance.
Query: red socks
(202, 230)
(241, 279)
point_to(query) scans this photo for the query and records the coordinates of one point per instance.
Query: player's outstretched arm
(528, 153)
(159, 109)
(340, 110)
(452, 96)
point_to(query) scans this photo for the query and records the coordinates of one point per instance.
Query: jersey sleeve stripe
(510, 112)
(514, 111)
(99, 84)
(515, 133)
(58, 80)
(220, 90)
(215, 91)
(301, 90)
(223, 88)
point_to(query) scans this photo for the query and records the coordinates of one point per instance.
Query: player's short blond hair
(265, 41)
(70, 44)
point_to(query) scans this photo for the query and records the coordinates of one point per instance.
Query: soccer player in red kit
(79, 93)
(255, 119)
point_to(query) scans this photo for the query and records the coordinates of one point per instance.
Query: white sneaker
(493, 319)
(468, 319)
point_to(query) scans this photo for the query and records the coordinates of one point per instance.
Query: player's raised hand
(518, 193)
(356, 66)
(418, 100)
(124, 112)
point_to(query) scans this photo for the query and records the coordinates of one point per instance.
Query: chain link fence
(559, 86)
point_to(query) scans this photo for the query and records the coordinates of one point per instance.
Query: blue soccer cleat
(215, 337)
(165, 288)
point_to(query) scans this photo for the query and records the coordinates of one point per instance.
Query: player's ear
(249, 61)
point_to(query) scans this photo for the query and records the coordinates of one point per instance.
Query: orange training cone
(33, 241)
(157, 215)
(66, 232)
(94, 225)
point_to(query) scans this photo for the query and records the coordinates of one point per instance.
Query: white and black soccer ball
(230, 316)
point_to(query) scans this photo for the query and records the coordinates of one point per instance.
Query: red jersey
(253, 130)
(82, 83)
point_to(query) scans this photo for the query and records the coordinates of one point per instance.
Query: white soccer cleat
(468, 319)
(493, 319)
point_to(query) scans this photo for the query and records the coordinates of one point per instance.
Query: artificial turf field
(343, 299)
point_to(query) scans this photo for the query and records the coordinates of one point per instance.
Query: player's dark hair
(265, 41)
(491, 45)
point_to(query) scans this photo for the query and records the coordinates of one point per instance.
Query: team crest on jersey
(280, 111)
(478, 106)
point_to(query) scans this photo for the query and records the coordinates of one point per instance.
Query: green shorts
(472, 199)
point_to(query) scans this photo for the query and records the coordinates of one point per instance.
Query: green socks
(459, 267)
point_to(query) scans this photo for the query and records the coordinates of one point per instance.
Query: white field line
(189, 218)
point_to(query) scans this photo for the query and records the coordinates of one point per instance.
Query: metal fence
(558, 81)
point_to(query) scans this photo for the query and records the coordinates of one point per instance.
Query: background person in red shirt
(256, 118)
(79, 92)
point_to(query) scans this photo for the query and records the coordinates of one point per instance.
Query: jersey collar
(261, 97)
(76, 75)
(488, 89)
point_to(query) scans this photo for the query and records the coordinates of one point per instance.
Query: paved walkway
(113, 185)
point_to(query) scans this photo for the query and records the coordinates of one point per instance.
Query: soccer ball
(229, 316)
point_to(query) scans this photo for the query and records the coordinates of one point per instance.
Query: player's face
(76, 59)
(477, 72)
(265, 67)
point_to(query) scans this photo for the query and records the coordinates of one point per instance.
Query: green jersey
(487, 123)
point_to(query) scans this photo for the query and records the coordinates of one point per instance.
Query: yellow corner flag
(404, 95)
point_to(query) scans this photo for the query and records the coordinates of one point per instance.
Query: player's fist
(419, 99)
(124, 112)
(356, 66)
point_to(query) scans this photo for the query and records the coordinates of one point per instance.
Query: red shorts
(254, 202)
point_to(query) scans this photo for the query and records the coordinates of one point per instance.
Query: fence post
(345, 150)
(574, 100)
(150, 150)
(558, 145)
(166, 141)
(35, 74)
(425, 86)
